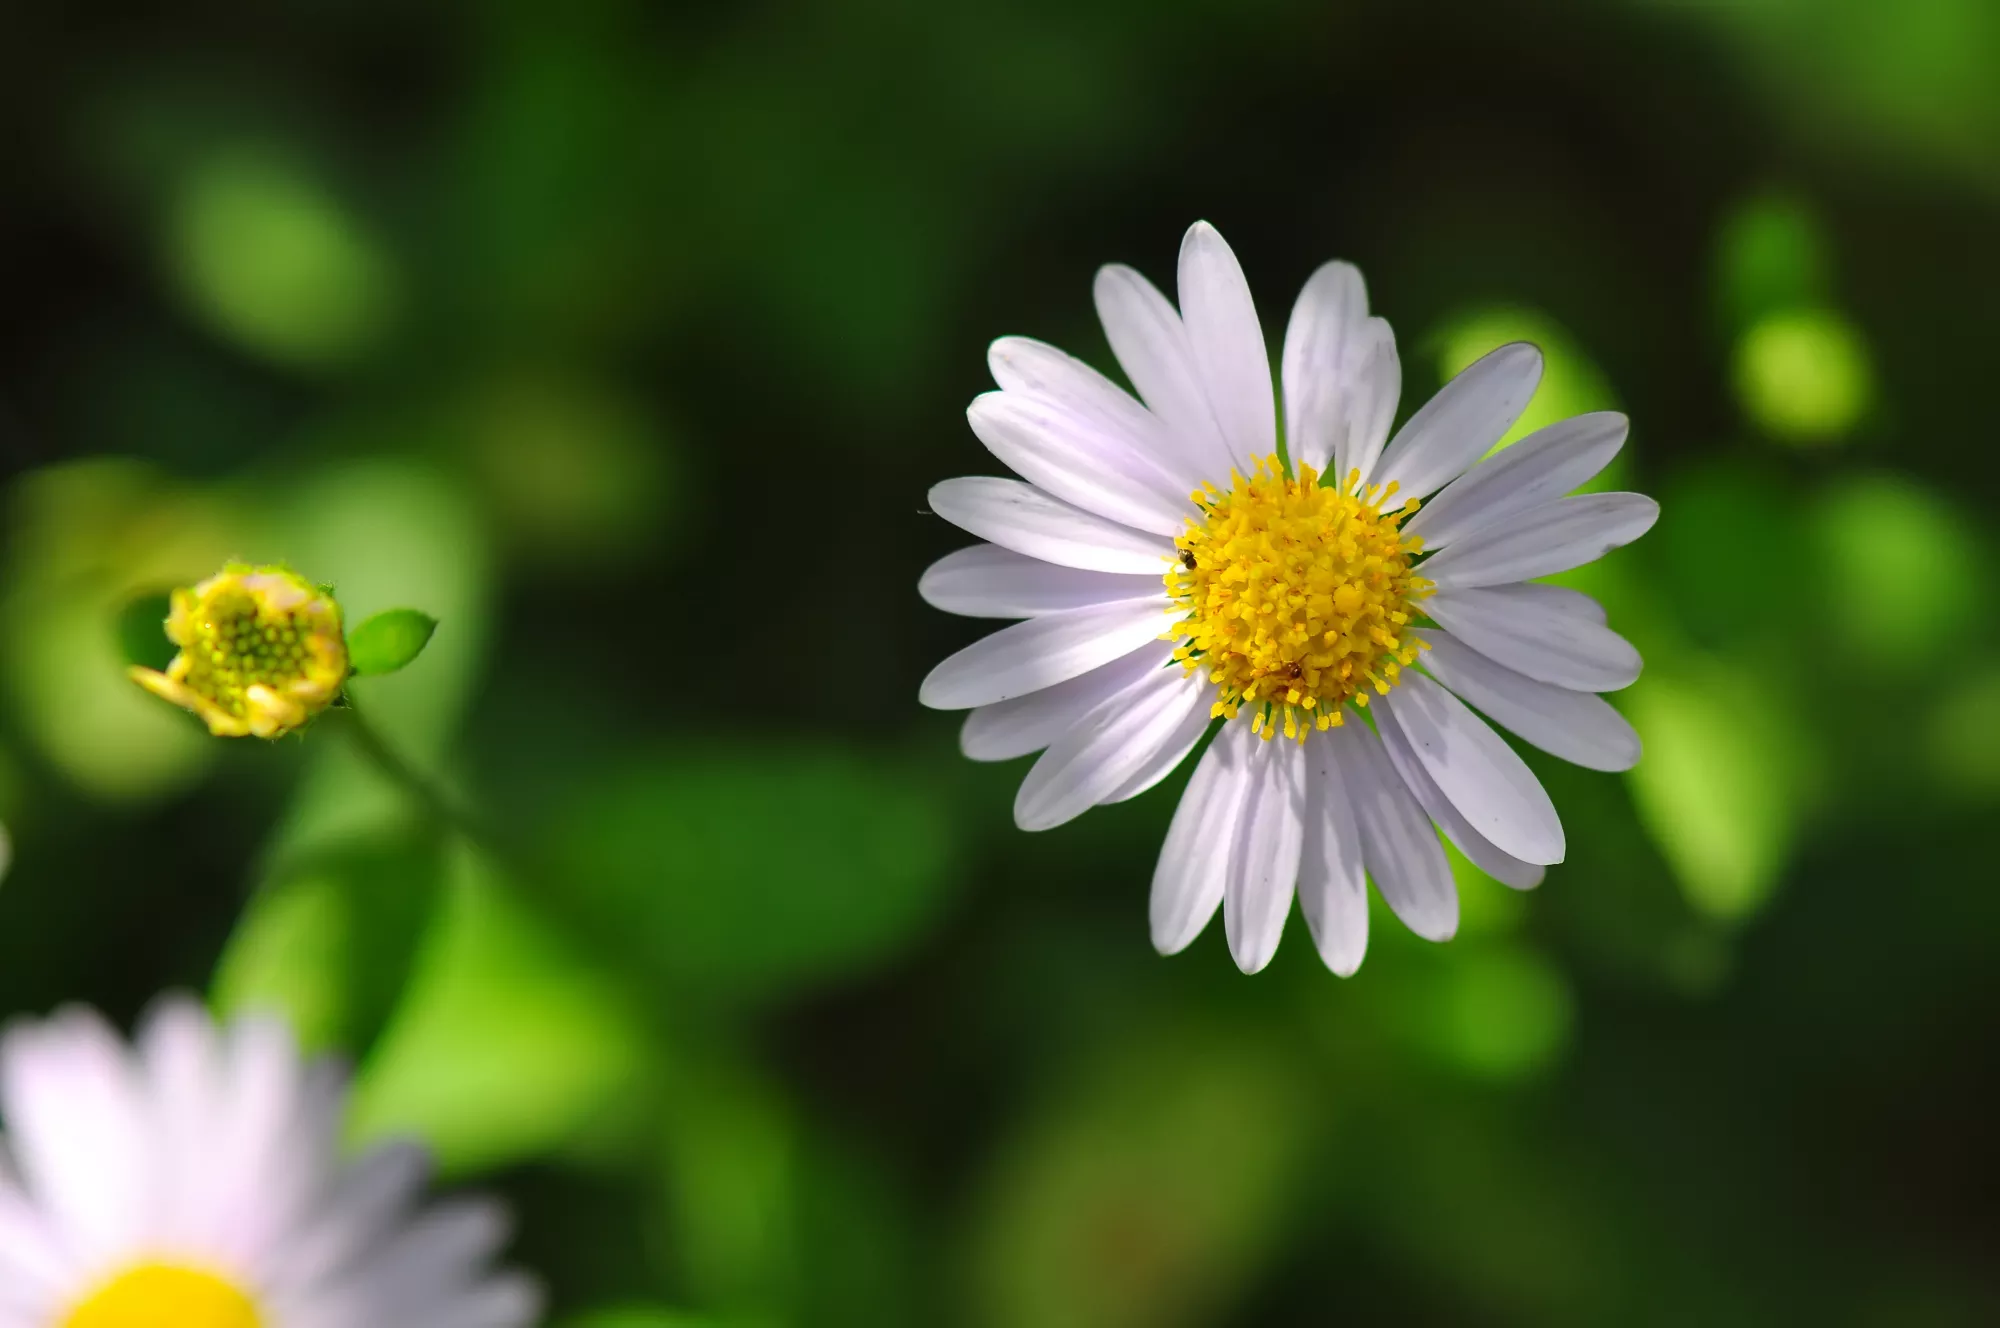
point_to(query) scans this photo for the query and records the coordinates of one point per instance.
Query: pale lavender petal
(1078, 460)
(1478, 849)
(1152, 347)
(1577, 726)
(1538, 469)
(1333, 884)
(1036, 369)
(1266, 863)
(1007, 729)
(1462, 422)
(1108, 747)
(1544, 540)
(1377, 390)
(987, 581)
(1398, 842)
(1041, 652)
(1539, 631)
(1193, 870)
(1485, 778)
(1168, 758)
(1228, 345)
(1325, 350)
(1021, 517)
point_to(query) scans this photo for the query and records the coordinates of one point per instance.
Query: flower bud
(261, 652)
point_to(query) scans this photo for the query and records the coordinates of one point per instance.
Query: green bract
(389, 640)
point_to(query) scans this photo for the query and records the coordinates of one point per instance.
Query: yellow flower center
(1297, 594)
(158, 1295)
(261, 652)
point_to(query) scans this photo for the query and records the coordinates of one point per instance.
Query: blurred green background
(626, 339)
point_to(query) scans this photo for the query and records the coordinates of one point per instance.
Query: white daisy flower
(197, 1181)
(1175, 566)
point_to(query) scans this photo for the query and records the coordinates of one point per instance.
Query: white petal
(1377, 390)
(1152, 347)
(1462, 422)
(1539, 631)
(1021, 517)
(987, 581)
(1266, 862)
(1574, 725)
(1333, 885)
(1007, 729)
(35, 1266)
(1079, 460)
(1539, 469)
(1541, 541)
(511, 1301)
(1167, 759)
(1023, 365)
(1484, 777)
(70, 1095)
(1397, 840)
(1041, 652)
(362, 1207)
(1091, 761)
(1193, 871)
(1324, 351)
(1482, 852)
(1228, 345)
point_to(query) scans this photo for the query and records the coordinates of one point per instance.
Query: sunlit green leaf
(389, 641)
(84, 540)
(1722, 788)
(506, 1044)
(273, 258)
(1804, 375)
(329, 940)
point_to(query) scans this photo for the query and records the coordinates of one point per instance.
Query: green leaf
(389, 640)
(1725, 784)
(506, 1045)
(739, 874)
(329, 938)
(1146, 1190)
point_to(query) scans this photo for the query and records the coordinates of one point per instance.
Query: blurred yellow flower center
(156, 1295)
(1297, 596)
(261, 652)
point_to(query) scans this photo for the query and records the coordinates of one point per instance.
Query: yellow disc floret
(1298, 596)
(158, 1295)
(261, 652)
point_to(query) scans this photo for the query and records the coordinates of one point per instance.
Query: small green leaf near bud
(389, 640)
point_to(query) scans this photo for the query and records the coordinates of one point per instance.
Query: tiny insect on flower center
(1298, 596)
(159, 1295)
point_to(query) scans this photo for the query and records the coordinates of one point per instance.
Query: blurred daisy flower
(196, 1181)
(1182, 561)
(261, 652)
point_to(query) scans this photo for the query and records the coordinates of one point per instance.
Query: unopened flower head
(1338, 598)
(197, 1180)
(261, 652)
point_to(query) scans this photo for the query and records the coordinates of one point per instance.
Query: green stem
(426, 792)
